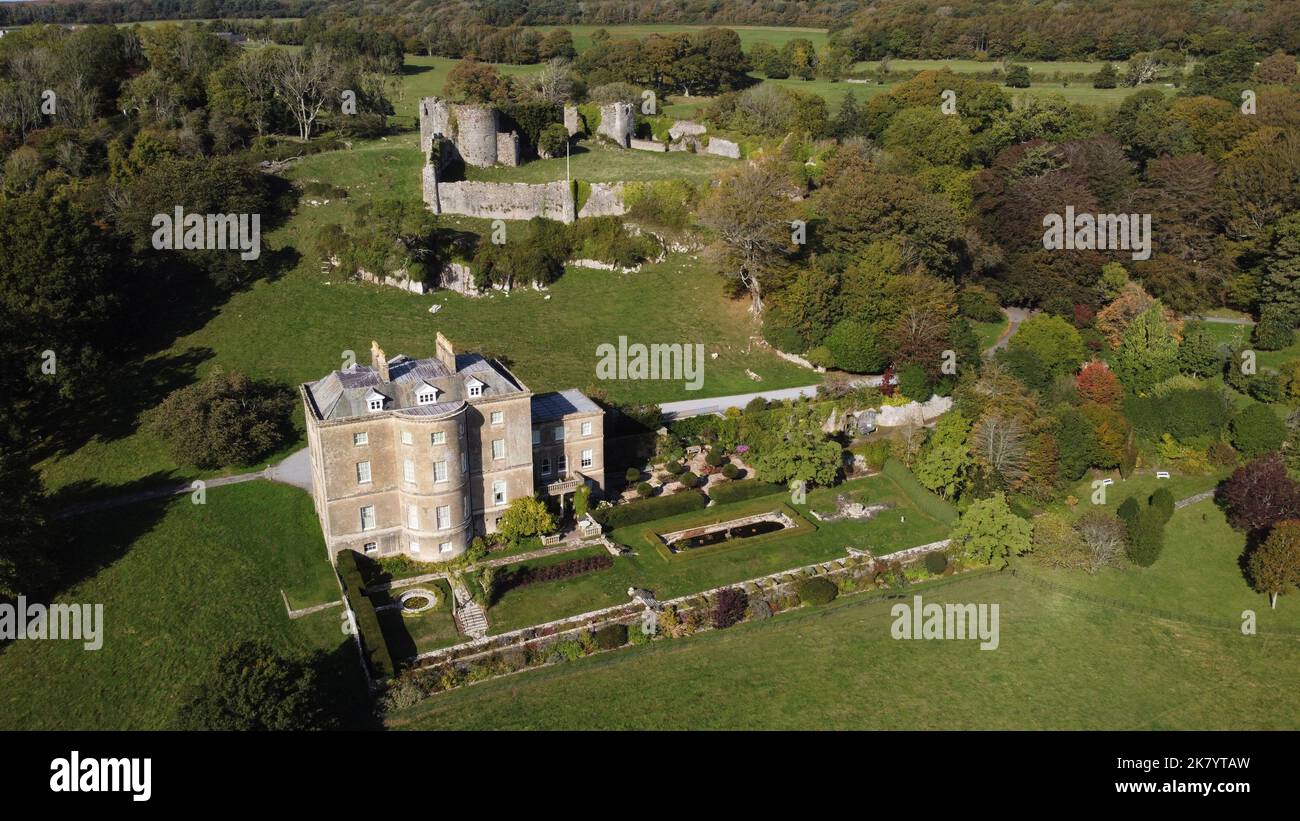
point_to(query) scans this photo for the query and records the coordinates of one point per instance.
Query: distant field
(749, 35)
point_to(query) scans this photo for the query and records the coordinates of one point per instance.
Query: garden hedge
(372, 637)
(523, 575)
(657, 508)
(742, 490)
(925, 500)
(817, 591)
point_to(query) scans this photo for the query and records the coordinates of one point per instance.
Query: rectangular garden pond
(720, 532)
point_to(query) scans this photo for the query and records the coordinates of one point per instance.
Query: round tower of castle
(476, 134)
(436, 509)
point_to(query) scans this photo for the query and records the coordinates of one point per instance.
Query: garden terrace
(652, 566)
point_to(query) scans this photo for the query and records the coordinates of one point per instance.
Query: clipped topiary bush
(645, 490)
(714, 459)
(817, 590)
(688, 479)
(730, 471)
(936, 562)
(632, 475)
(674, 467)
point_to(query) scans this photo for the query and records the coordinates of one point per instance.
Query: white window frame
(498, 418)
(586, 428)
(373, 522)
(440, 470)
(370, 547)
(499, 493)
(364, 475)
(359, 439)
(415, 547)
(426, 396)
(407, 439)
(374, 405)
(498, 449)
(408, 471)
(588, 458)
(445, 547)
(413, 517)
(443, 513)
(438, 437)
(475, 391)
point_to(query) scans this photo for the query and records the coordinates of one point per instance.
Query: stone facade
(416, 457)
(605, 200)
(572, 120)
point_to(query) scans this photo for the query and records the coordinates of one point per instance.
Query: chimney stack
(379, 361)
(446, 353)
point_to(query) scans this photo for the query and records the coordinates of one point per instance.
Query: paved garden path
(294, 470)
(1014, 317)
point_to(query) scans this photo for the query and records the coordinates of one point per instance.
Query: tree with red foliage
(1097, 383)
(1259, 494)
(887, 386)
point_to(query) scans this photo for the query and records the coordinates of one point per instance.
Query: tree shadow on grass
(343, 688)
(129, 390)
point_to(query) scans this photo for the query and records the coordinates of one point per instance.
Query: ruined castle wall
(647, 145)
(605, 200)
(617, 123)
(434, 119)
(723, 148)
(507, 200)
(508, 149)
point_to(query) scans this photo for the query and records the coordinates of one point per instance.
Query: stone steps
(473, 622)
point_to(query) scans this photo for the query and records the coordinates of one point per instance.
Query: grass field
(594, 162)
(297, 327)
(1061, 663)
(749, 35)
(177, 581)
(901, 527)
(1198, 576)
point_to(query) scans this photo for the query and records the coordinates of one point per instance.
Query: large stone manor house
(415, 457)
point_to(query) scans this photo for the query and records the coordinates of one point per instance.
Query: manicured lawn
(178, 582)
(408, 635)
(1061, 663)
(678, 575)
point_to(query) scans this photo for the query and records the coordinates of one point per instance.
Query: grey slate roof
(342, 394)
(547, 407)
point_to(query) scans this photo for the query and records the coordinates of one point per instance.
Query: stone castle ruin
(470, 134)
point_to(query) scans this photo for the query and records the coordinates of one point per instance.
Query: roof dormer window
(474, 388)
(374, 401)
(426, 395)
